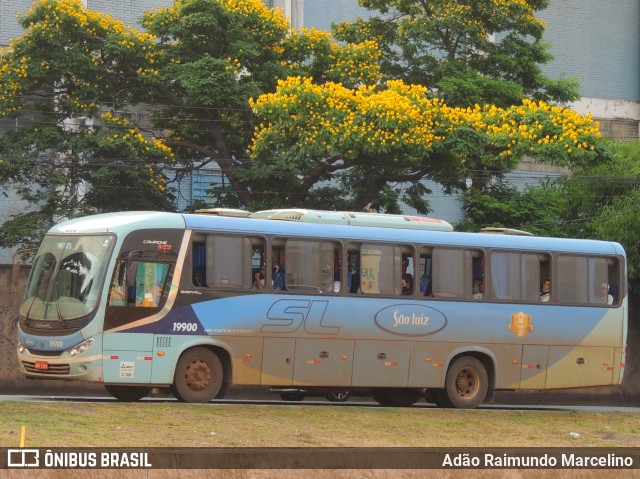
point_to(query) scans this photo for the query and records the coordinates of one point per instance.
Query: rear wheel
(438, 397)
(199, 376)
(127, 393)
(467, 383)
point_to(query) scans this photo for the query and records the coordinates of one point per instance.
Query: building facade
(595, 41)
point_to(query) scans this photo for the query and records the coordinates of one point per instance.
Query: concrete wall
(597, 41)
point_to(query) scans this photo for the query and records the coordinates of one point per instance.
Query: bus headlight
(82, 347)
(21, 348)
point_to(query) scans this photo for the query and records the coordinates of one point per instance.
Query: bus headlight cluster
(21, 348)
(82, 347)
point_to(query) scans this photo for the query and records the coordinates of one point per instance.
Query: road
(356, 402)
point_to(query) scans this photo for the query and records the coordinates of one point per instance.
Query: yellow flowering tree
(106, 112)
(471, 51)
(376, 143)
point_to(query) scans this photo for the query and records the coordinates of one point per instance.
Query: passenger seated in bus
(278, 282)
(354, 282)
(545, 291)
(613, 291)
(258, 278)
(478, 289)
(407, 285)
(605, 293)
(198, 279)
(336, 282)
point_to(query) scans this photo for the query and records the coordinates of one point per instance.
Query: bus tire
(292, 396)
(438, 397)
(199, 376)
(405, 397)
(467, 383)
(397, 397)
(381, 396)
(127, 393)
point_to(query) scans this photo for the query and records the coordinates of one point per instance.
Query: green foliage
(109, 117)
(472, 52)
(533, 209)
(602, 202)
(598, 201)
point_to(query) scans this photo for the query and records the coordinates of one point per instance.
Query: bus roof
(369, 233)
(353, 218)
(125, 222)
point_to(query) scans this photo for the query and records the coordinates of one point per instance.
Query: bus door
(139, 289)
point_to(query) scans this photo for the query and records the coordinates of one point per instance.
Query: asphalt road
(359, 402)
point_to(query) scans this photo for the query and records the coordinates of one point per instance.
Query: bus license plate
(42, 365)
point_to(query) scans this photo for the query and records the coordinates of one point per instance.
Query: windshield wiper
(36, 295)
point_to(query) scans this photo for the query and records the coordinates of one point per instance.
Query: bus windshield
(66, 278)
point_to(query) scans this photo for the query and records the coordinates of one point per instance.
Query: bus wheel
(404, 397)
(198, 377)
(438, 397)
(127, 393)
(397, 397)
(381, 396)
(289, 396)
(467, 383)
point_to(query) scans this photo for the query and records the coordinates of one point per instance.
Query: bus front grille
(53, 369)
(37, 352)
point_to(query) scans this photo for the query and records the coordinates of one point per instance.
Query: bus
(401, 306)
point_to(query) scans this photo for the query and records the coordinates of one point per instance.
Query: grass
(167, 424)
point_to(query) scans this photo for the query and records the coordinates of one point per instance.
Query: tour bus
(401, 306)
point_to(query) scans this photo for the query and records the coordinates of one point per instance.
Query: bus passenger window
(407, 282)
(337, 270)
(583, 279)
(518, 276)
(258, 268)
(604, 284)
(228, 262)
(425, 268)
(310, 266)
(199, 263)
(453, 272)
(381, 269)
(141, 284)
(353, 270)
(150, 283)
(477, 288)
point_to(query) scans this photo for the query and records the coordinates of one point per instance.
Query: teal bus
(323, 302)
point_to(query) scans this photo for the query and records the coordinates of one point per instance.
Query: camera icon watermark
(23, 458)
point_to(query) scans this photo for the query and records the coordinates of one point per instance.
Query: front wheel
(127, 393)
(467, 383)
(199, 376)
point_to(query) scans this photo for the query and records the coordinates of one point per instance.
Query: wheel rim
(467, 383)
(198, 375)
